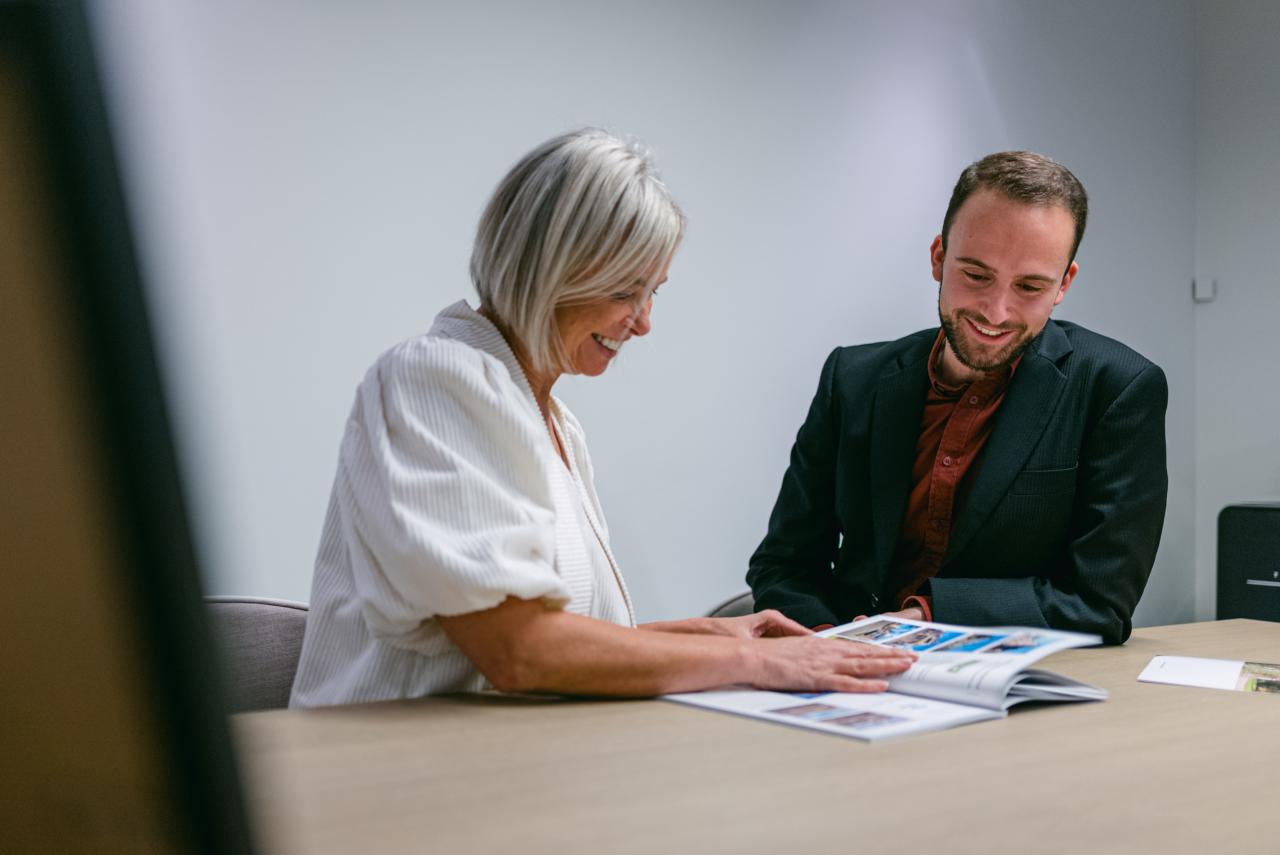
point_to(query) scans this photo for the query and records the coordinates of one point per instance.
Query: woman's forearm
(523, 646)
(687, 626)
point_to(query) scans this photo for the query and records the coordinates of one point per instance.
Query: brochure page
(985, 666)
(1232, 674)
(867, 717)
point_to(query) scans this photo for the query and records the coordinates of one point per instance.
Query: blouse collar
(462, 323)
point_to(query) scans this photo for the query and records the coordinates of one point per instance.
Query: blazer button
(875, 600)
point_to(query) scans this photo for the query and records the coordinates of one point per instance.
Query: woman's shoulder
(428, 354)
(446, 365)
(429, 386)
(461, 350)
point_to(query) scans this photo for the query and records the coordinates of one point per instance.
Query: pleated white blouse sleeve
(445, 503)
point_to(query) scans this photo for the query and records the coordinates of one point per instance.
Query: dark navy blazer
(1064, 508)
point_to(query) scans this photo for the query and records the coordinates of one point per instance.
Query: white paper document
(1231, 674)
(964, 674)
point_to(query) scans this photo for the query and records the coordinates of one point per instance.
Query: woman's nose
(640, 324)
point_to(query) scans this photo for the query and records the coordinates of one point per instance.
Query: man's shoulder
(1096, 354)
(874, 359)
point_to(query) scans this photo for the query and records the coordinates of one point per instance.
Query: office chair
(736, 606)
(1249, 561)
(260, 642)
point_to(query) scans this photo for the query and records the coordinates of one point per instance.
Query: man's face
(1004, 269)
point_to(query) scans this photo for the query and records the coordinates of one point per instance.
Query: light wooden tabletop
(1153, 769)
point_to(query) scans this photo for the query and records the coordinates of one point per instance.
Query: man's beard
(976, 359)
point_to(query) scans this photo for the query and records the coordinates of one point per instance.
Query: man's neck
(952, 371)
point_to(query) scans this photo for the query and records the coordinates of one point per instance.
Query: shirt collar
(993, 380)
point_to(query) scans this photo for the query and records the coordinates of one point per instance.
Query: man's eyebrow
(1035, 276)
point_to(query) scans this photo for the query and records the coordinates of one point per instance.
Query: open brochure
(964, 674)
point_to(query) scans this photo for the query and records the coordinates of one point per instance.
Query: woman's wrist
(751, 661)
(688, 626)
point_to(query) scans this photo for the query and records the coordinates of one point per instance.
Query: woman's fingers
(867, 650)
(875, 666)
(859, 670)
(806, 664)
(774, 623)
(852, 685)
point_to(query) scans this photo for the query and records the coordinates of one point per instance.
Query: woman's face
(593, 333)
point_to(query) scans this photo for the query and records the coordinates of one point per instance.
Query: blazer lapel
(895, 426)
(1023, 416)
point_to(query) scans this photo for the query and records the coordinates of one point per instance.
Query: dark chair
(1249, 561)
(736, 606)
(260, 642)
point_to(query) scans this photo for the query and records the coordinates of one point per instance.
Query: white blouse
(450, 497)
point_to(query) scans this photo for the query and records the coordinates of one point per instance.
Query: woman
(464, 544)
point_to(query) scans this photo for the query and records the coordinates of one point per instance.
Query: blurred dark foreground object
(114, 737)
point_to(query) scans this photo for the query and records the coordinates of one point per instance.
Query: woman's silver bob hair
(578, 219)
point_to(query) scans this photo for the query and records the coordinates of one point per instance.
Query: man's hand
(913, 613)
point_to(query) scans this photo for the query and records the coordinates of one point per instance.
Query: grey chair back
(736, 606)
(260, 641)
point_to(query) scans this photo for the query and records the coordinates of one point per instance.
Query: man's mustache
(976, 318)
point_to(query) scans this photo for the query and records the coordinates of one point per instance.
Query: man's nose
(640, 324)
(995, 309)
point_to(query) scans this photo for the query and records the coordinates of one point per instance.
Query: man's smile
(987, 332)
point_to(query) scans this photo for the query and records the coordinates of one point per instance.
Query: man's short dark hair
(1026, 177)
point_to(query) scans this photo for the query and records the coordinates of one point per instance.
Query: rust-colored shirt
(956, 424)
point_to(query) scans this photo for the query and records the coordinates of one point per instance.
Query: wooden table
(1155, 768)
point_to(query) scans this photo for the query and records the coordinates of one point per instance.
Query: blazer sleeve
(1122, 487)
(791, 570)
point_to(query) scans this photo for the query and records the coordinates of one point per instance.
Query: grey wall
(1237, 228)
(307, 177)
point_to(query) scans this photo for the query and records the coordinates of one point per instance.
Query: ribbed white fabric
(449, 497)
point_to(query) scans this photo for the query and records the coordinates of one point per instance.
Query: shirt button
(946, 461)
(973, 399)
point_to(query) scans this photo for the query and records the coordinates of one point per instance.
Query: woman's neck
(539, 383)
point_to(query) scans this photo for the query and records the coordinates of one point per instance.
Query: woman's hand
(826, 664)
(766, 624)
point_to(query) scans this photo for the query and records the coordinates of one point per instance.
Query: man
(1006, 469)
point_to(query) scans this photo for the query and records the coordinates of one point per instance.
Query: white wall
(1237, 229)
(307, 177)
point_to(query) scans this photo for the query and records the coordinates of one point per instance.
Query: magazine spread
(964, 674)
